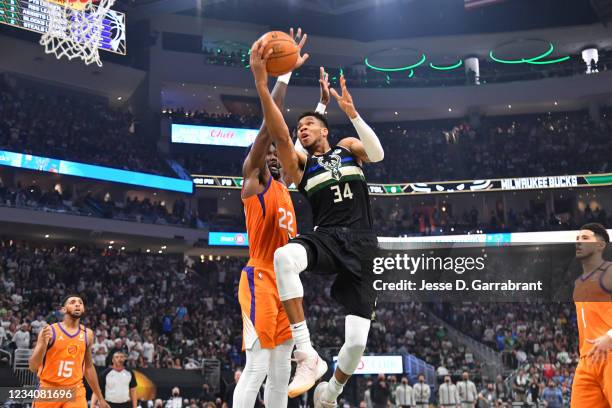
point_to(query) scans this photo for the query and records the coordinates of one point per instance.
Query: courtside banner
(378, 364)
(213, 135)
(445, 187)
(483, 271)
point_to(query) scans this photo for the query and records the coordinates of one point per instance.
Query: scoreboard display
(33, 15)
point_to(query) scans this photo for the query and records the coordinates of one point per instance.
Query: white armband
(610, 333)
(321, 108)
(370, 141)
(284, 78)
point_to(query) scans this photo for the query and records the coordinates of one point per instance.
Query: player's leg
(80, 400)
(253, 375)
(277, 384)
(607, 380)
(586, 389)
(289, 261)
(356, 331)
(253, 305)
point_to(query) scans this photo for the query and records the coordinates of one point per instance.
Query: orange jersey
(270, 221)
(64, 361)
(593, 307)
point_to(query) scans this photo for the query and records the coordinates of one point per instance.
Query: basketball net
(75, 29)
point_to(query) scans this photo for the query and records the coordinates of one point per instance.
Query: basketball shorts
(263, 315)
(592, 386)
(79, 401)
(344, 252)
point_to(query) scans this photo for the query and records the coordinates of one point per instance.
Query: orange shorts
(263, 315)
(79, 401)
(592, 386)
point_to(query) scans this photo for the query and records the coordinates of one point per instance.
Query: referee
(118, 384)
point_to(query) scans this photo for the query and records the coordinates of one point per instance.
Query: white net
(75, 33)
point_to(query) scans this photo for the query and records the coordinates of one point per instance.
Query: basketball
(284, 54)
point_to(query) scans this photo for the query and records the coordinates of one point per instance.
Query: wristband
(284, 78)
(610, 333)
(321, 108)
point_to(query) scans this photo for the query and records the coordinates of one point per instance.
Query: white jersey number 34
(338, 196)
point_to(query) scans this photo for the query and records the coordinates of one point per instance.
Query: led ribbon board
(445, 187)
(228, 239)
(33, 15)
(213, 135)
(70, 168)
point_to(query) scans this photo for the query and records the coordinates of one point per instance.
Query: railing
(211, 371)
(21, 367)
(491, 360)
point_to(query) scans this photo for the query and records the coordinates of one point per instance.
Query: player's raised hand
(300, 39)
(324, 85)
(345, 101)
(258, 60)
(601, 347)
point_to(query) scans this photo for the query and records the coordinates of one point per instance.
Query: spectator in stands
(22, 337)
(501, 389)
(467, 391)
(404, 397)
(487, 398)
(552, 395)
(448, 395)
(229, 392)
(380, 393)
(175, 401)
(206, 395)
(422, 393)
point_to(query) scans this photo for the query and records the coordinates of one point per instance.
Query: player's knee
(290, 259)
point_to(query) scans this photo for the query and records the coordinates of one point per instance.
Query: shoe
(310, 367)
(318, 397)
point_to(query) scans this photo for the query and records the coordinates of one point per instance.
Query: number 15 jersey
(64, 361)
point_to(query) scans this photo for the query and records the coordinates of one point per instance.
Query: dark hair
(69, 296)
(317, 115)
(598, 230)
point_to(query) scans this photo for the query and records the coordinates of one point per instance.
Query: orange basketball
(284, 54)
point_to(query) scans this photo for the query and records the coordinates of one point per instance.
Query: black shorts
(344, 252)
(120, 405)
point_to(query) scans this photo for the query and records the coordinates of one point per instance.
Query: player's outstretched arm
(367, 148)
(90, 372)
(40, 349)
(275, 123)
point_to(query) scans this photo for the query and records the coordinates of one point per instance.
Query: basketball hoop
(75, 29)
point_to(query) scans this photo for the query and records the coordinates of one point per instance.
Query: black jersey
(336, 189)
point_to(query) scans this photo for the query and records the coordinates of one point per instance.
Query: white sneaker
(318, 397)
(310, 367)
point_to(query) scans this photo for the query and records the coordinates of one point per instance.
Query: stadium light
(398, 69)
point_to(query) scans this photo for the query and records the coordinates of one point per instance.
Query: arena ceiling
(368, 20)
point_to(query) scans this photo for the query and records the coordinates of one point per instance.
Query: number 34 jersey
(270, 221)
(336, 189)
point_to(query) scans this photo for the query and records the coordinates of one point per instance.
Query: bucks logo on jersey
(332, 164)
(338, 165)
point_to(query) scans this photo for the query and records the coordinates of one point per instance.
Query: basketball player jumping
(62, 357)
(592, 386)
(271, 222)
(332, 180)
